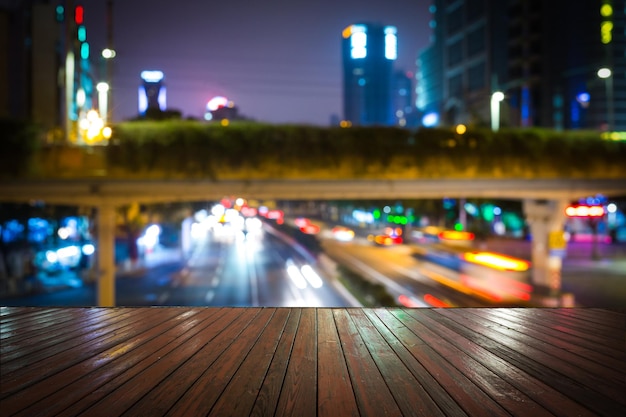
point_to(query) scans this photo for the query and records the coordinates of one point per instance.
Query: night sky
(278, 60)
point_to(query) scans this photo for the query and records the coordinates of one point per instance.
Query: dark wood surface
(182, 361)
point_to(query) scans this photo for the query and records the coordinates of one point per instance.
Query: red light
(79, 15)
(434, 301)
(310, 229)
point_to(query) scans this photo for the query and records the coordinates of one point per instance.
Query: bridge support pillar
(545, 217)
(106, 255)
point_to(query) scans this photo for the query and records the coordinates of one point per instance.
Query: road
(224, 268)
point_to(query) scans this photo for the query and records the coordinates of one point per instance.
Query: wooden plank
(269, 394)
(478, 389)
(407, 390)
(40, 359)
(28, 318)
(404, 342)
(298, 396)
(38, 337)
(40, 396)
(580, 386)
(213, 367)
(334, 388)
(242, 391)
(372, 394)
(74, 351)
(569, 344)
(613, 319)
(557, 350)
(579, 322)
(546, 326)
(180, 367)
(572, 327)
(102, 382)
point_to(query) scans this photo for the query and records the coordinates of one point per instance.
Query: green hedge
(196, 149)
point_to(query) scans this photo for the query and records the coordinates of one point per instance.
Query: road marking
(254, 281)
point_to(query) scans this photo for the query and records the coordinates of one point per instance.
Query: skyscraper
(544, 56)
(152, 95)
(368, 54)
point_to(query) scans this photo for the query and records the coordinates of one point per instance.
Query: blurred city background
(89, 76)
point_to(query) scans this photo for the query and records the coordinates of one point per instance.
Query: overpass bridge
(106, 178)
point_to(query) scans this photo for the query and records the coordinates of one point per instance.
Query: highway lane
(230, 268)
(400, 273)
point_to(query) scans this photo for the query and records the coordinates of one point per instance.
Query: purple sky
(278, 60)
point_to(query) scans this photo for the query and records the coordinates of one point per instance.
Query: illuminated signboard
(152, 76)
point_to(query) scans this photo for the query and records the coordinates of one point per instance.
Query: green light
(82, 33)
(60, 10)
(84, 50)
(458, 227)
(376, 214)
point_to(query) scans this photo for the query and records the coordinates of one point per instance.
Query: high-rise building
(402, 98)
(47, 75)
(544, 57)
(29, 43)
(152, 94)
(464, 63)
(369, 51)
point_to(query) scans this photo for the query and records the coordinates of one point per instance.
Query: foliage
(250, 150)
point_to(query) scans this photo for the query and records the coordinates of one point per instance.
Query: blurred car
(343, 233)
(390, 236)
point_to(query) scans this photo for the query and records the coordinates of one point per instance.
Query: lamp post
(607, 75)
(103, 91)
(496, 98)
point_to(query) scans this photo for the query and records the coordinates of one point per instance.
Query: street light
(496, 98)
(108, 54)
(103, 89)
(607, 75)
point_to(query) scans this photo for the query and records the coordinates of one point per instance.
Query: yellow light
(224, 122)
(460, 129)
(585, 211)
(606, 29)
(347, 32)
(606, 10)
(497, 261)
(456, 235)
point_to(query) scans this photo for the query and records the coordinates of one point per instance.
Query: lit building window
(391, 43)
(358, 42)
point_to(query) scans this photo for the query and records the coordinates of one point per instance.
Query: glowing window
(358, 42)
(391, 43)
